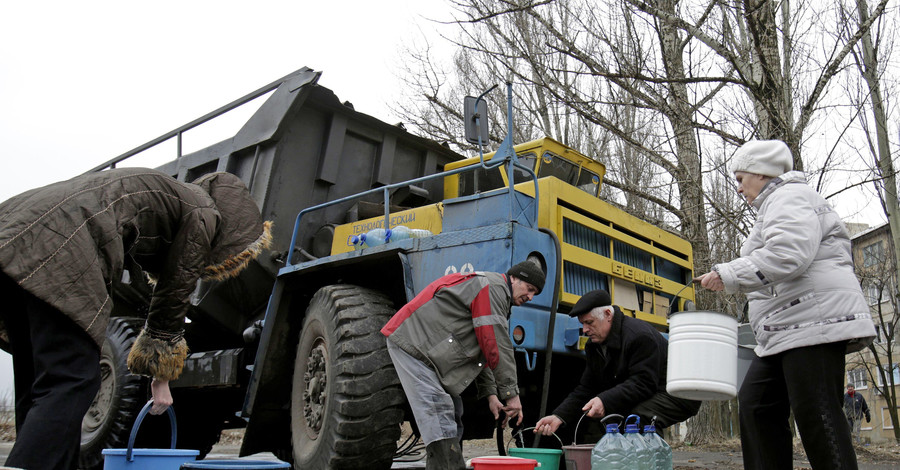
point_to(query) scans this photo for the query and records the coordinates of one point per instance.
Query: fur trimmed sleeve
(160, 358)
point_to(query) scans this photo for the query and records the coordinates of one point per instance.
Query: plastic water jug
(402, 232)
(358, 241)
(641, 456)
(377, 236)
(612, 452)
(658, 446)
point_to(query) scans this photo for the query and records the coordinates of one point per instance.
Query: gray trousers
(438, 414)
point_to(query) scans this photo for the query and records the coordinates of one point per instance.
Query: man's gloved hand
(868, 418)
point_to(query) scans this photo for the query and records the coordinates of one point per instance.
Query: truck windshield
(479, 180)
(576, 175)
(589, 182)
(527, 159)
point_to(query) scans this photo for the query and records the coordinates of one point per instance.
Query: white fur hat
(763, 157)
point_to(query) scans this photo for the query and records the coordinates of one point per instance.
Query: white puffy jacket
(797, 271)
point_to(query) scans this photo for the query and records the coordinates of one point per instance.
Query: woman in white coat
(806, 310)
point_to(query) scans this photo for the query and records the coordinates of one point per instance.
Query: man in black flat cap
(453, 333)
(625, 371)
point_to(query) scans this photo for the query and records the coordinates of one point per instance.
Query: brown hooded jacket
(66, 242)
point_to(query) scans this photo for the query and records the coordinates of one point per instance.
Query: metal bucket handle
(671, 304)
(137, 424)
(602, 421)
(513, 437)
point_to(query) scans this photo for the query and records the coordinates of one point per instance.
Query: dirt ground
(725, 455)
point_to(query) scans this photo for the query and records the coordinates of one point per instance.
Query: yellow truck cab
(642, 266)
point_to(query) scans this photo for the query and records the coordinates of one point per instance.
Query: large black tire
(108, 421)
(347, 402)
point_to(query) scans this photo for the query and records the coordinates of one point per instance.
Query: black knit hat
(530, 273)
(590, 301)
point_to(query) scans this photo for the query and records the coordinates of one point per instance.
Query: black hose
(548, 352)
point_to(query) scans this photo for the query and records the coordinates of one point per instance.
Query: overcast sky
(83, 82)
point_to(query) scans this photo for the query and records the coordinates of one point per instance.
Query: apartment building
(874, 264)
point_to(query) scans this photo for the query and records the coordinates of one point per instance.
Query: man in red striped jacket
(454, 332)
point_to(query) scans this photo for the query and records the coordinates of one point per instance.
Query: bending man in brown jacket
(62, 246)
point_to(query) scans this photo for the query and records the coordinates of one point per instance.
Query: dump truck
(291, 349)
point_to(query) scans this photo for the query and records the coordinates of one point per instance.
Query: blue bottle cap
(612, 428)
(649, 428)
(631, 429)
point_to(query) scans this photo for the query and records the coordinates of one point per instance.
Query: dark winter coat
(65, 243)
(855, 407)
(632, 370)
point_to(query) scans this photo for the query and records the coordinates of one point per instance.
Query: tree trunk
(869, 70)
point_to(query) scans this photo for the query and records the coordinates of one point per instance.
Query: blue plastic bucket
(148, 459)
(235, 464)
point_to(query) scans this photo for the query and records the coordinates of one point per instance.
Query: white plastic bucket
(702, 362)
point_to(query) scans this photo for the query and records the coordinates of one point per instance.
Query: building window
(858, 378)
(881, 337)
(873, 295)
(896, 373)
(886, 419)
(873, 254)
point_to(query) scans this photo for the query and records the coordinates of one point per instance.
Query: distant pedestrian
(806, 310)
(454, 331)
(62, 247)
(855, 407)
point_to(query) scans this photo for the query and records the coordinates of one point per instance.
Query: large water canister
(702, 362)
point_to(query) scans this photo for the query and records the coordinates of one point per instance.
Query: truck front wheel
(347, 402)
(108, 421)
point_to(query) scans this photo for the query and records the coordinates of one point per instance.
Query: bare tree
(878, 272)
(672, 86)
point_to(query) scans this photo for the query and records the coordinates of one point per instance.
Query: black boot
(445, 454)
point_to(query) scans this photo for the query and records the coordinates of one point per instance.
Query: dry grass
(7, 417)
(878, 453)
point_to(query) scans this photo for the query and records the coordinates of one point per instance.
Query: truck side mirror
(470, 113)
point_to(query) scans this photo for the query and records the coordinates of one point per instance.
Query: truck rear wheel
(108, 421)
(347, 402)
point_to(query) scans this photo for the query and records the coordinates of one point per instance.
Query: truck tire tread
(363, 404)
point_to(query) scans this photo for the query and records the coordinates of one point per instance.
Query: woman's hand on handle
(711, 281)
(162, 397)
